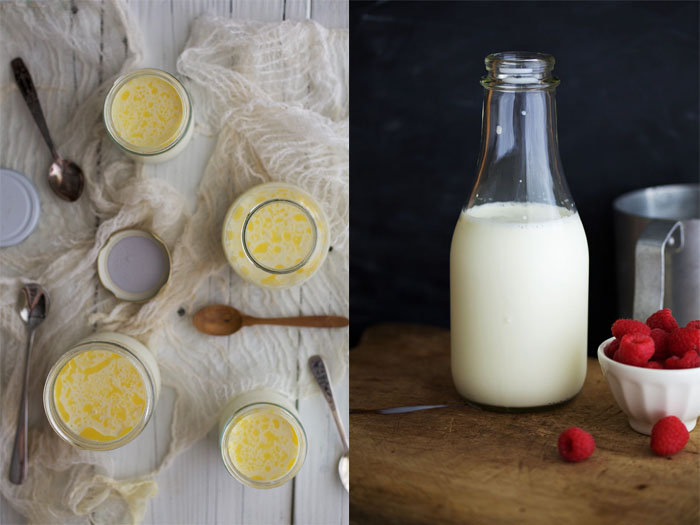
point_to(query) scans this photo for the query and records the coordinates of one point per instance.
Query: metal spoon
(318, 369)
(34, 305)
(221, 319)
(65, 177)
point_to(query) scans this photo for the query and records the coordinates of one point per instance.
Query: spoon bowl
(344, 471)
(33, 305)
(218, 319)
(66, 179)
(221, 319)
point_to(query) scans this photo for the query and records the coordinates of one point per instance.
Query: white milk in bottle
(519, 256)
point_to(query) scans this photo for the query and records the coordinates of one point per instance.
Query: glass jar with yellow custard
(261, 438)
(101, 393)
(275, 235)
(148, 114)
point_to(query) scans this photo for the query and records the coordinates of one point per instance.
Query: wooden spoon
(221, 319)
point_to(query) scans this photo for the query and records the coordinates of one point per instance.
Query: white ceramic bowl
(646, 395)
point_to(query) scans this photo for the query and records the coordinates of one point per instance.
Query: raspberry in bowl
(651, 374)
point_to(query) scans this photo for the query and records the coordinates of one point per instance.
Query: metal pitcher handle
(649, 271)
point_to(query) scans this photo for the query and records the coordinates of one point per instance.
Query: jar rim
(181, 132)
(519, 71)
(62, 429)
(290, 417)
(248, 252)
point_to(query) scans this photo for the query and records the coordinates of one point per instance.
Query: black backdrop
(628, 118)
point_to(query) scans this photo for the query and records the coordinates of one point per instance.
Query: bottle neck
(519, 160)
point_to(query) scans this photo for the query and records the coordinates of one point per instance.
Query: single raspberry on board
(611, 348)
(682, 340)
(690, 359)
(660, 338)
(668, 436)
(662, 319)
(622, 327)
(635, 350)
(693, 324)
(654, 364)
(575, 444)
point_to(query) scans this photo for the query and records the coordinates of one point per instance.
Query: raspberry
(668, 436)
(693, 324)
(635, 350)
(654, 364)
(611, 348)
(662, 319)
(622, 327)
(689, 360)
(682, 340)
(575, 444)
(660, 338)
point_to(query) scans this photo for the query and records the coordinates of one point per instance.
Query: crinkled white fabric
(276, 97)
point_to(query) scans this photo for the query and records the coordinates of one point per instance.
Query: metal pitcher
(657, 239)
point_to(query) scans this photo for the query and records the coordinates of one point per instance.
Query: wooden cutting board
(466, 465)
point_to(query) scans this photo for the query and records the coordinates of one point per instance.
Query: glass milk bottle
(519, 256)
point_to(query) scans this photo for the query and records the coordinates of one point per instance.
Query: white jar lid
(19, 207)
(134, 265)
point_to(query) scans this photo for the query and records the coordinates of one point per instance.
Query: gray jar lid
(134, 265)
(19, 207)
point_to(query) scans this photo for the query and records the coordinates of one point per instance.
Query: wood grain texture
(466, 465)
(196, 488)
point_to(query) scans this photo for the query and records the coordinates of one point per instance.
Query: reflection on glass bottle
(519, 257)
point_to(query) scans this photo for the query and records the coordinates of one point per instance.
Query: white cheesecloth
(277, 98)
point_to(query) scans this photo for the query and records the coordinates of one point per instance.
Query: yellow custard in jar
(262, 441)
(100, 395)
(263, 446)
(275, 235)
(148, 114)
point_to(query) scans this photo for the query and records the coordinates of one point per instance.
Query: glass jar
(262, 420)
(519, 255)
(275, 235)
(148, 114)
(111, 400)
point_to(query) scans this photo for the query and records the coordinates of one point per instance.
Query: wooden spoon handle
(313, 321)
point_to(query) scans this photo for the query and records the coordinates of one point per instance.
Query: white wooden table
(197, 488)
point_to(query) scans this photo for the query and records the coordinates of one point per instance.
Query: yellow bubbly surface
(263, 445)
(147, 111)
(279, 235)
(100, 395)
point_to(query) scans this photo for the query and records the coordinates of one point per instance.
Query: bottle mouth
(300, 245)
(519, 71)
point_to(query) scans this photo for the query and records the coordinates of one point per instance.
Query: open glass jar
(262, 441)
(275, 235)
(148, 114)
(101, 392)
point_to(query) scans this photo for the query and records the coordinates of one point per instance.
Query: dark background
(628, 118)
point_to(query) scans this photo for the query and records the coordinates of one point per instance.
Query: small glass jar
(148, 114)
(275, 235)
(243, 430)
(94, 399)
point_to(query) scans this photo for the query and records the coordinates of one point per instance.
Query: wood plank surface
(466, 465)
(196, 488)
